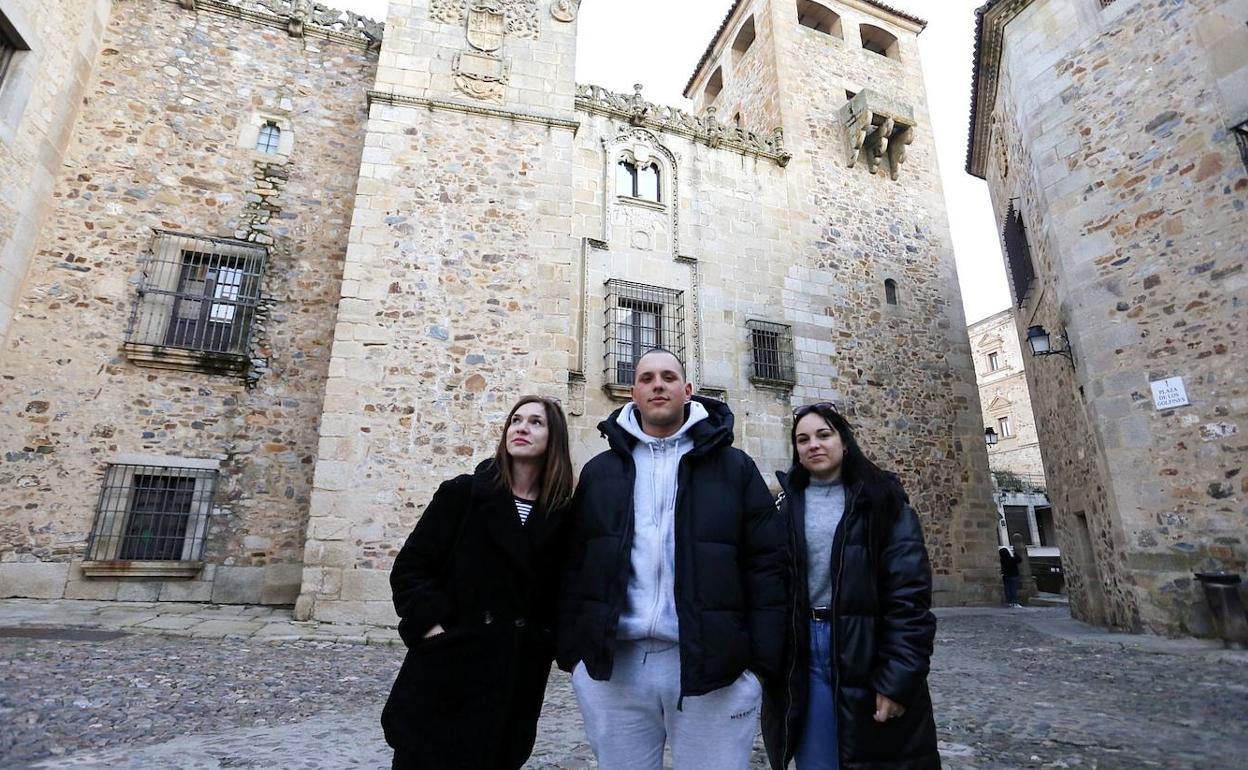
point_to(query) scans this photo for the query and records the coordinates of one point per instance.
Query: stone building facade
(457, 222)
(1112, 138)
(161, 193)
(1019, 488)
(1004, 398)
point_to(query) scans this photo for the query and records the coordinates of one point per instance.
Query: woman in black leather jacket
(854, 694)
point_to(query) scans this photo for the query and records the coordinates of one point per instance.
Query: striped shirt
(524, 508)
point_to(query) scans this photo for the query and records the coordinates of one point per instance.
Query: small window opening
(269, 138)
(879, 41)
(994, 362)
(736, 119)
(1003, 427)
(890, 291)
(11, 43)
(713, 86)
(745, 38)
(820, 18)
(849, 95)
(638, 181)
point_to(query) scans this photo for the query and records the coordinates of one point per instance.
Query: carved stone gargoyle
(877, 127)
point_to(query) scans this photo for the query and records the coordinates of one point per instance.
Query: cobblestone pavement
(1013, 690)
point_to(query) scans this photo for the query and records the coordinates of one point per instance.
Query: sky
(658, 42)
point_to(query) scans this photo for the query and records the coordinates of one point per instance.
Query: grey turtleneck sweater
(825, 505)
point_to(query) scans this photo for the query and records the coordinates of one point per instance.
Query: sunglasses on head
(802, 411)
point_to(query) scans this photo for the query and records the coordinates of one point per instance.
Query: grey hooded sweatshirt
(650, 612)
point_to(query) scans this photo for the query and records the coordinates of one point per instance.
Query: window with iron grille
(198, 294)
(152, 513)
(638, 181)
(640, 318)
(1017, 254)
(269, 138)
(771, 346)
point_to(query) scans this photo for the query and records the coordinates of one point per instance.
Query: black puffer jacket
(883, 632)
(730, 581)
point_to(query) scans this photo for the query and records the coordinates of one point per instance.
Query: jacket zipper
(788, 710)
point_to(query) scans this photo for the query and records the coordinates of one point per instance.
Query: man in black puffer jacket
(675, 587)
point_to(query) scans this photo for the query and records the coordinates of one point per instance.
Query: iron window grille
(269, 138)
(152, 513)
(638, 181)
(771, 348)
(1018, 254)
(199, 294)
(640, 318)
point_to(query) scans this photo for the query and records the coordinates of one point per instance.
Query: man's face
(660, 392)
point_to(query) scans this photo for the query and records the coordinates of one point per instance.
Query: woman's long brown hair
(557, 476)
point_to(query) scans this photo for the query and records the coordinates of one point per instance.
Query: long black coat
(883, 633)
(470, 698)
(730, 580)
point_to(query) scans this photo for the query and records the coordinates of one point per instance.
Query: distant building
(1114, 139)
(1014, 458)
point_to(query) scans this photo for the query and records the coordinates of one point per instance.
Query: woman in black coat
(475, 590)
(854, 691)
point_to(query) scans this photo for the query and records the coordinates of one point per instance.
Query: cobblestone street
(1013, 689)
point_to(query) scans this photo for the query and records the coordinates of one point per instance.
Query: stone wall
(1111, 128)
(166, 139)
(1003, 393)
(39, 101)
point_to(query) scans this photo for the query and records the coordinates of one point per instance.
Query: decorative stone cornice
(473, 109)
(990, 21)
(299, 18)
(705, 129)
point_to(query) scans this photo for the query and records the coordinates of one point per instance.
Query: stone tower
(456, 294)
(872, 283)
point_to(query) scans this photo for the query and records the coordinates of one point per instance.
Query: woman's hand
(438, 629)
(887, 708)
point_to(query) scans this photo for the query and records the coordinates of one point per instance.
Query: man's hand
(886, 708)
(438, 629)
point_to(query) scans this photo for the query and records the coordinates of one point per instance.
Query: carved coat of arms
(487, 24)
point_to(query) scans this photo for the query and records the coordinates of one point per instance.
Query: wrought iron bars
(771, 348)
(639, 318)
(198, 293)
(152, 513)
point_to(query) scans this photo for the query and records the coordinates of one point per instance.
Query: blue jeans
(819, 747)
(1012, 584)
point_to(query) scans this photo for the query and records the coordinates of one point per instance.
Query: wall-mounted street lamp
(1038, 339)
(990, 437)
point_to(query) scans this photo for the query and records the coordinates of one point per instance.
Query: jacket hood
(711, 432)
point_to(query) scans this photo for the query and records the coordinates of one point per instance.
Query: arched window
(713, 86)
(819, 17)
(879, 41)
(269, 138)
(890, 291)
(745, 38)
(638, 181)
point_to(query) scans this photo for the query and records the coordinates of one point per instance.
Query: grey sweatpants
(631, 716)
